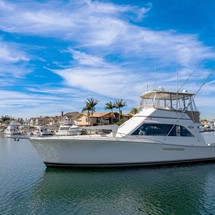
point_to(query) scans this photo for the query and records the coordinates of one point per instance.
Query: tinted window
(183, 132)
(162, 130)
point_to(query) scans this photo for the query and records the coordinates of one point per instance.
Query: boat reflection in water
(166, 130)
(181, 190)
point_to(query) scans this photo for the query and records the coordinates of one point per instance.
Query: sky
(54, 55)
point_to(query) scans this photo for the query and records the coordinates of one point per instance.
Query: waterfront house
(53, 122)
(68, 117)
(102, 118)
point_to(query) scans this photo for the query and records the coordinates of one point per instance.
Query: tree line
(90, 106)
(91, 103)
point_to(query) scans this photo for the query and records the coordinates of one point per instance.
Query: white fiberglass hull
(102, 153)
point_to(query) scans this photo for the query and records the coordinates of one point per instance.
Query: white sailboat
(166, 130)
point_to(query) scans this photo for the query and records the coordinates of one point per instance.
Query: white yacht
(12, 129)
(166, 130)
(41, 131)
(67, 129)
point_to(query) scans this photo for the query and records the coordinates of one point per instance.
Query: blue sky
(56, 54)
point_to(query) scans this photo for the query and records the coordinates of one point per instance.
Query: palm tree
(110, 106)
(119, 104)
(90, 107)
(134, 110)
(5, 119)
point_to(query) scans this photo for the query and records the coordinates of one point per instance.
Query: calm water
(27, 187)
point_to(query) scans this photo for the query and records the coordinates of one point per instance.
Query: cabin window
(162, 130)
(183, 132)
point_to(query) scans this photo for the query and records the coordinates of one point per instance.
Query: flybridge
(162, 99)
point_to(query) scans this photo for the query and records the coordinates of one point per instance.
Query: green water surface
(27, 187)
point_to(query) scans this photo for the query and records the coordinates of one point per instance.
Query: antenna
(191, 75)
(177, 80)
(197, 92)
(185, 108)
(204, 83)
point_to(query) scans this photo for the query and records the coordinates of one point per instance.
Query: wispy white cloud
(117, 81)
(27, 105)
(90, 24)
(87, 59)
(111, 54)
(10, 53)
(13, 62)
(105, 82)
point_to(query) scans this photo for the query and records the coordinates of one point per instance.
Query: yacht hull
(116, 153)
